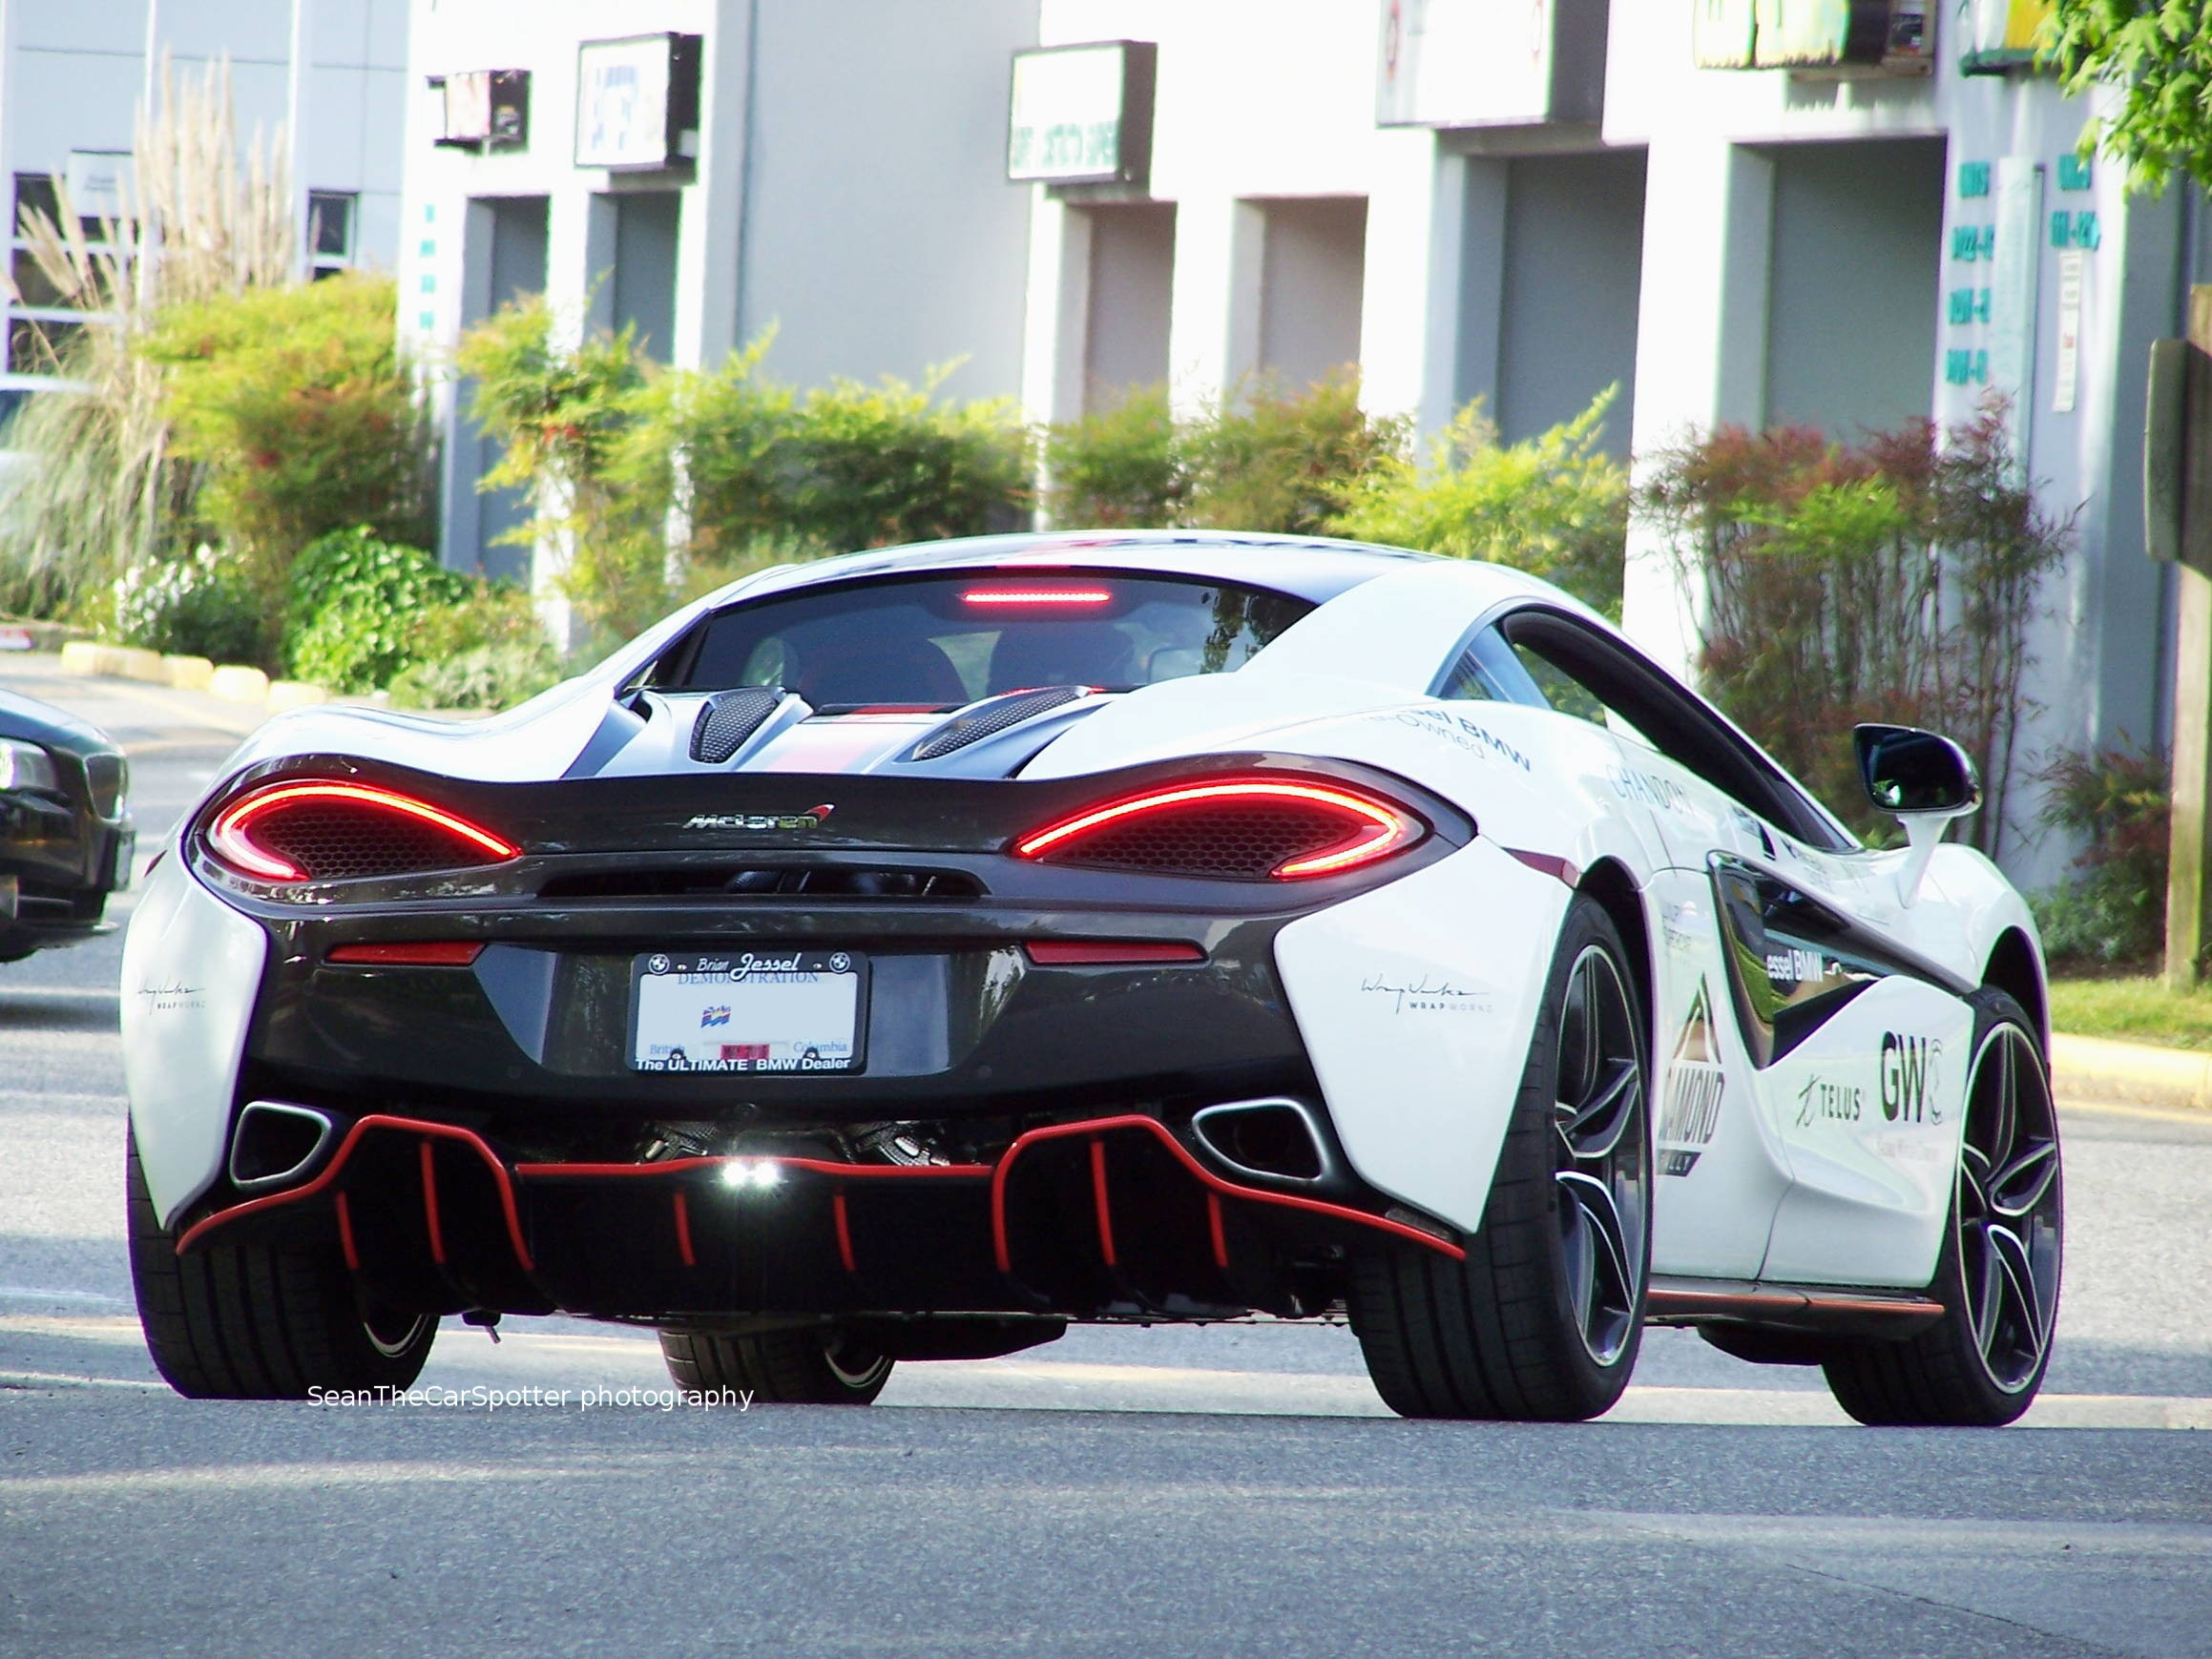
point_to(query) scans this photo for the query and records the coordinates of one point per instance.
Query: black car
(66, 835)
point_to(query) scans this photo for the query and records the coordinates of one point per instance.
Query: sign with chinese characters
(1082, 114)
(1474, 63)
(637, 102)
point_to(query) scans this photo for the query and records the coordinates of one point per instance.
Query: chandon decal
(1909, 1064)
(1694, 1085)
(1648, 787)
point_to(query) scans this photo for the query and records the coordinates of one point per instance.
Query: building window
(330, 228)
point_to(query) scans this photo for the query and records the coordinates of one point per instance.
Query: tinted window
(943, 641)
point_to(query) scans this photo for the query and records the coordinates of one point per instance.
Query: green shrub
(1119, 467)
(1892, 580)
(196, 606)
(1285, 461)
(2113, 912)
(302, 418)
(484, 677)
(357, 609)
(1555, 506)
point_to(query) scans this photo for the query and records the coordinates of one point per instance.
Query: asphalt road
(1230, 1490)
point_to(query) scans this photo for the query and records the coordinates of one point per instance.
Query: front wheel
(1981, 1364)
(1542, 1322)
(811, 1365)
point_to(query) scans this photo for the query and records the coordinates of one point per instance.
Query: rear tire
(1542, 1322)
(811, 1366)
(250, 1321)
(1981, 1364)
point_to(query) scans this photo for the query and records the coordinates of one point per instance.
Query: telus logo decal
(1908, 1066)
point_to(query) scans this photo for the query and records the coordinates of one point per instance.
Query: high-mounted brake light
(1241, 828)
(1036, 596)
(321, 829)
(409, 953)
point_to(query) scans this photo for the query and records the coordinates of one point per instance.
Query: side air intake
(990, 718)
(728, 718)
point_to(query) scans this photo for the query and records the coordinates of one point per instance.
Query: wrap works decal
(1694, 1085)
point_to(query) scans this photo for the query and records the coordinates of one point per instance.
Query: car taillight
(1248, 829)
(322, 829)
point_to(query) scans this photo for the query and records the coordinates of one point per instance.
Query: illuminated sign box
(1490, 63)
(637, 102)
(1817, 38)
(2002, 34)
(1082, 114)
(484, 109)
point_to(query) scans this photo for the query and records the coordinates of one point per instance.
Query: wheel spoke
(2022, 1298)
(2016, 1190)
(1609, 1301)
(1593, 1128)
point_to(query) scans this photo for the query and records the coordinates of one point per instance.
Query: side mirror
(1915, 773)
(1926, 780)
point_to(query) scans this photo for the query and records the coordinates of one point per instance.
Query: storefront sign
(2000, 34)
(2015, 274)
(1082, 114)
(484, 109)
(637, 102)
(100, 183)
(1814, 36)
(1474, 63)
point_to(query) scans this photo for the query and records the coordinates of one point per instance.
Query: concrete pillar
(709, 242)
(1701, 353)
(1409, 313)
(1481, 294)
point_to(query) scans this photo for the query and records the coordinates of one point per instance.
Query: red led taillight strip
(230, 835)
(1386, 828)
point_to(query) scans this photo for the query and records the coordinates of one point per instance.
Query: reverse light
(323, 830)
(740, 1173)
(1232, 828)
(1026, 596)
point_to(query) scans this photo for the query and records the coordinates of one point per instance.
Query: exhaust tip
(1272, 1139)
(275, 1143)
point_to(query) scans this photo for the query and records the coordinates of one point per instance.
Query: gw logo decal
(1909, 1092)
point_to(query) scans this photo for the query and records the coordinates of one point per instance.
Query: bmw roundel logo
(657, 965)
(839, 962)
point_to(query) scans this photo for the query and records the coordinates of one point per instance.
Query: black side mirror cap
(1909, 772)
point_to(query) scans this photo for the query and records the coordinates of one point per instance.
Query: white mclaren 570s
(901, 956)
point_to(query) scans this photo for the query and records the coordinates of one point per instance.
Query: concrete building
(704, 171)
(1740, 211)
(74, 76)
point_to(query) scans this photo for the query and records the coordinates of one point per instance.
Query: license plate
(747, 1011)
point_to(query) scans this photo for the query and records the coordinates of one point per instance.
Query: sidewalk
(2100, 1068)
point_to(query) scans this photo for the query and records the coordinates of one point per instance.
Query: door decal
(1694, 1086)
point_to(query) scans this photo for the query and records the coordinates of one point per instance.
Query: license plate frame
(783, 1011)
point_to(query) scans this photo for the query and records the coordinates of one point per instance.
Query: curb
(2130, 1073)
(233, 682)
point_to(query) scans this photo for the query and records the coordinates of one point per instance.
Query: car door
(1839, 1035)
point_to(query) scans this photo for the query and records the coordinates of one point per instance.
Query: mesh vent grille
(1238, 839)
(728, 719)
(986, 720)
(337, 841)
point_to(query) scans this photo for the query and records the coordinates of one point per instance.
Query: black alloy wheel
(1543, 1320)
(805, 1365)
(1982, 1363)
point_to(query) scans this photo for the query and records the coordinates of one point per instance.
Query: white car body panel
(192, 972)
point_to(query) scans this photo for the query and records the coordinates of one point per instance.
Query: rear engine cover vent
(728, 718)
(990, 718)
(749, 882)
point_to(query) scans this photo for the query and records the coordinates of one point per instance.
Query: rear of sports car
(792, 1009)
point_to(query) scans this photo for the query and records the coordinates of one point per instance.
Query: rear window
(939, 642)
